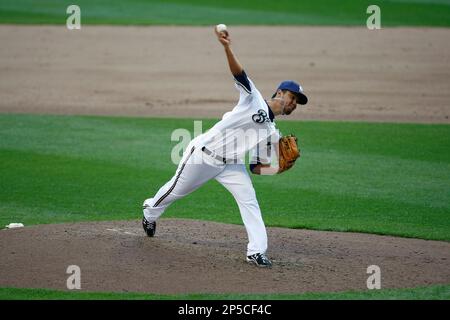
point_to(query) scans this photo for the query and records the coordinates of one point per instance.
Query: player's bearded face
(289, 102)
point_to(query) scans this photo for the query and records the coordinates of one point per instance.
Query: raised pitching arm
(234, 64)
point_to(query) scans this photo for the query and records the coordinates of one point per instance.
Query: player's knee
(249, 202)
(148, 203)
(246, 195)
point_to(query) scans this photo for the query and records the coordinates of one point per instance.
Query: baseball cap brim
(301, 98)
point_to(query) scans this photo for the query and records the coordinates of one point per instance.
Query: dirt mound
(189, 256)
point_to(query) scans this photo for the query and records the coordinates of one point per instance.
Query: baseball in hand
(221, 27)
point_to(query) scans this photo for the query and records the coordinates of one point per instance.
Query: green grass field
(441, 292)
(366, 177)
(233, 12)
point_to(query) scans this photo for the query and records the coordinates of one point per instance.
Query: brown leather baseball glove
(288, 152)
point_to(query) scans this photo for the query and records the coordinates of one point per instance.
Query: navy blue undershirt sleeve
(253, 165)
(243, 81)
(271, 115)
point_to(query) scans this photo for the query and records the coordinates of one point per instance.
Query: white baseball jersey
(241, 129)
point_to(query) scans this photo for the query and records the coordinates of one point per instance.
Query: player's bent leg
(192, 173)
(236, 180)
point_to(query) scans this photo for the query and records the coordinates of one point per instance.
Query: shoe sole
(258, 265)
(150, 235)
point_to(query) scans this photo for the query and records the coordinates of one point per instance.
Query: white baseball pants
(195, 169)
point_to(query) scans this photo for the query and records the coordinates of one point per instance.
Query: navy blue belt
(215, 156)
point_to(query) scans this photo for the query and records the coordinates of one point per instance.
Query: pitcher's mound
(189, 256)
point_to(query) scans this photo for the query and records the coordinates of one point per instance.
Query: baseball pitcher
(219, 153)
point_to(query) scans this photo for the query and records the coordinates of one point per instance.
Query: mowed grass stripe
(436, 292)
(366, 177)
(233, 12)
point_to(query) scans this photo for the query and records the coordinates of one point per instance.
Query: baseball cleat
(260, 260)
(149, 227)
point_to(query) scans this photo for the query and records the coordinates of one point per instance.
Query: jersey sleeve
(244, 85)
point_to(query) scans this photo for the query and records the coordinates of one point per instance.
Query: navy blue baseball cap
(295, 88)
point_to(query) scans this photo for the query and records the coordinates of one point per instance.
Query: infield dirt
(395, 74)
(188, 256)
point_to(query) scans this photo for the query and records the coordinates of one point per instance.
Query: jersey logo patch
(260, 117)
